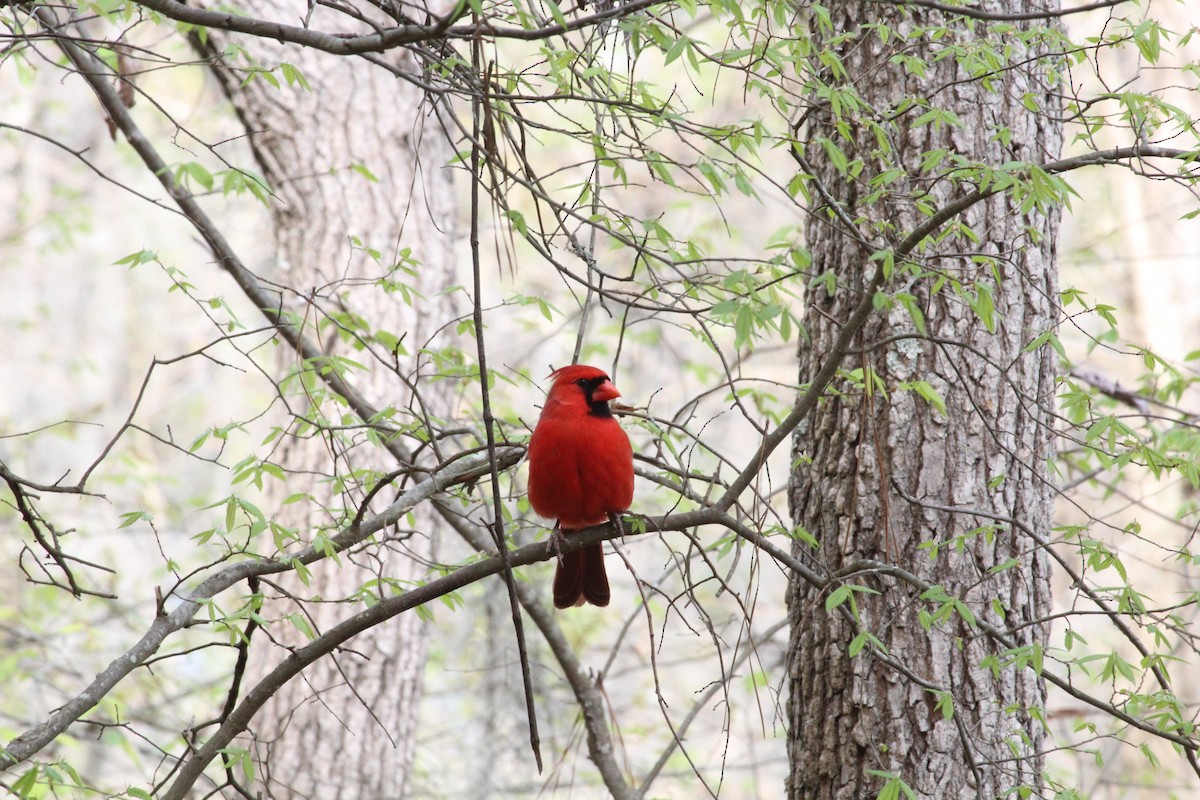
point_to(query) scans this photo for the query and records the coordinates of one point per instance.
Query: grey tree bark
(882, 475)
(347, 729)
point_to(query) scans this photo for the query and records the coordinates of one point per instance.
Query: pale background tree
(344, 234)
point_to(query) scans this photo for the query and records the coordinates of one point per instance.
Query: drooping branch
(384, 610)
(489, 427)
(33, 740)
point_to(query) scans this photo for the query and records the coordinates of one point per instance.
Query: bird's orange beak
(604, 392)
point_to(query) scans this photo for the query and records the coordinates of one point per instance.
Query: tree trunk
(347, 729)
(883, 475)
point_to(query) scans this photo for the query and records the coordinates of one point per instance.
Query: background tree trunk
(889, 473)
(348, 728)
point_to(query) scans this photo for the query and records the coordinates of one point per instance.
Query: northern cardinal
(581, 474)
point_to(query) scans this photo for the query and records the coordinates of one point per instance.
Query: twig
(489, 422)
(31, 520)
(239, 669)
(681, 729)
(1001, 16)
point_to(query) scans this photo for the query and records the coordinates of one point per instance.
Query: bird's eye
(582, 383)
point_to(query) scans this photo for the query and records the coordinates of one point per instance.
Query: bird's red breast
(580, 471)
(580, 460)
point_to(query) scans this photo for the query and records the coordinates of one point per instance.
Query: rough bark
(879, 475)
(347, 728)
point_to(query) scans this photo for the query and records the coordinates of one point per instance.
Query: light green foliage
(655, 173)
(894, 786)
(845, 594)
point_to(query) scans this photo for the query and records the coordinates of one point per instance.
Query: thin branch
(489, 422)
(701, 702)
(1002, 16)
(79, 154)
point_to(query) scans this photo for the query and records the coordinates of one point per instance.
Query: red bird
(581, 474)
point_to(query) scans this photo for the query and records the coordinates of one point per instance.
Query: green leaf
(800, 533)
(300, 623)
(834, 154)
(138, 258)
(846, 592)
(130, 517)
(676, 49)
(24, 785)
(945, 704)
(798, 185)
(194, 171)
(838, 596)
(861, 640)
(926, 392)
(518, 219)
(361, 169)
(893, 787)
(983, 305)
(294, 76)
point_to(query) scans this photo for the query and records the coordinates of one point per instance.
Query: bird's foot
(555, 543)
(617, 522)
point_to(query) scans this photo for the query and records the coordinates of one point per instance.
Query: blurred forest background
(131, 356)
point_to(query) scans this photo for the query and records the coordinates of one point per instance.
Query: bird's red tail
(581, 578)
